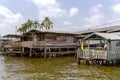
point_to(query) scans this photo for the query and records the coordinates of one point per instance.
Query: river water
(62, 68)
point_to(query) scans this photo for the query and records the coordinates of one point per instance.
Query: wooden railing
(62, 44)
(93, 54)
(113, 55)
(99, 54)
(32, 43)
(24, 44)
(12, 44)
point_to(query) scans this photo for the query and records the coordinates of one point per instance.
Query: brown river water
(60, 68)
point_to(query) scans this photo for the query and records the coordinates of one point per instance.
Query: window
(69, 39)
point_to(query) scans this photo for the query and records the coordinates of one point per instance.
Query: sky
(67, 15)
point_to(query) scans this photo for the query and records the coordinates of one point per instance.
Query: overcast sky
(68, 15)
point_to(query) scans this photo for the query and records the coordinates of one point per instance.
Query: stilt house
(105, 46)
(48, 43)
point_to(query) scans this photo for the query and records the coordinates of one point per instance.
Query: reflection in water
(65, 68)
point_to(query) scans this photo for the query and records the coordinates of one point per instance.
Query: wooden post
(45, 52)
(78, 52)
(2, 51)
(87, 62)
(30, 54)
(75, 51)
(89, 48)
(23, 50)
(59, 49)
(49, 53)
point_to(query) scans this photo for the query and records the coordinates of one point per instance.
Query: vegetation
(45, 24)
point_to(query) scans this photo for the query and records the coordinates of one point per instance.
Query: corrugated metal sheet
(110, 36)
(106, 29)
(51, 31)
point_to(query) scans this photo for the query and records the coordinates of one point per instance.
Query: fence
(99, 54)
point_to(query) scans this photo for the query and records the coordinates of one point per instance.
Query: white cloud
(73, 11)
(95, 18)
(96, 9)
(49, 8)
(9, 20)
(116, 11)
(44, 2)
(54, 10)
(116, 8)
(68, 23)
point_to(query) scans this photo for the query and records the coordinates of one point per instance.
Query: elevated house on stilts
(12, 46)
(45, 43)
(100, 48)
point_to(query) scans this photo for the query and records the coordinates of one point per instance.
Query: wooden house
(101, 47)
(13, 44)
(46, 43)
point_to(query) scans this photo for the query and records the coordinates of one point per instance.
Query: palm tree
(25, 26)
(47, 23)
(20, 30)
(29, 24)
(36, 24)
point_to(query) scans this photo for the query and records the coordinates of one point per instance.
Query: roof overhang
(102, 36)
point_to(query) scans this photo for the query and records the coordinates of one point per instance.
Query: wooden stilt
(23, 51)
(49, 54)
(79, 61)
(60, 51)
(45, 52)
(87, 62)
(78, 54)
(30, 54)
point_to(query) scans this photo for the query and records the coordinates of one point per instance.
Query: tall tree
(47, 23)
(36, 24)
(26, 26)
(29, 24)
(23, 28)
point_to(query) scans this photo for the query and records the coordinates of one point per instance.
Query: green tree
(26, 26)
(29, 24)
(23, 28)
(47, 23)
(36, 24)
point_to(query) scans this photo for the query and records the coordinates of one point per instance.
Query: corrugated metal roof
(99, 29)
(4, 39)
(12, 36)
(52, 31)
(107, 36)
(114, 30)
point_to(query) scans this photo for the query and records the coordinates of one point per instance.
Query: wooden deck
(40, 48)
